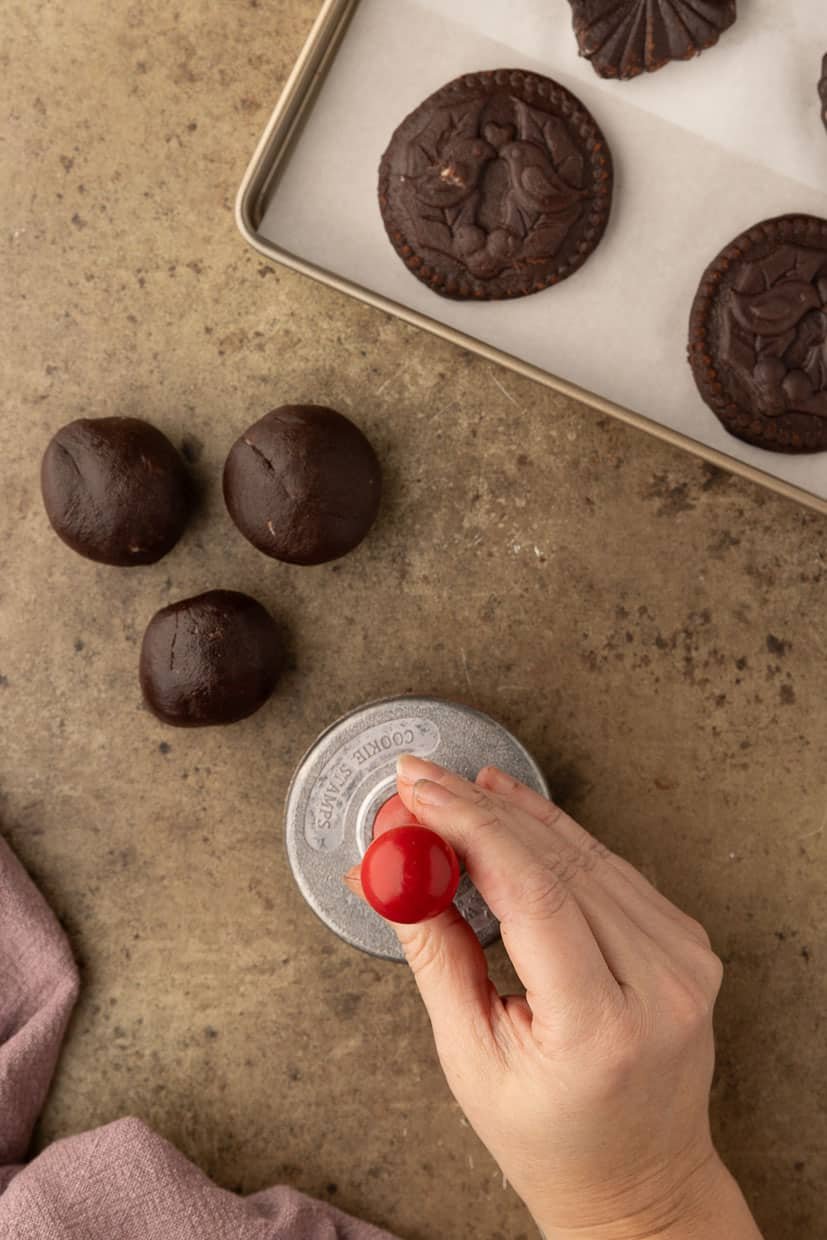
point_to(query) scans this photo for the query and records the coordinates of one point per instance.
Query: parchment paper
(702, 149)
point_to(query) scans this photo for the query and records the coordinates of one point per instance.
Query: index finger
(545, 932)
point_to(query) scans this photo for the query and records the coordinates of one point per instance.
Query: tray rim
(315, 57)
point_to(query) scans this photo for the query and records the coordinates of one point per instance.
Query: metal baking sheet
(702, 150)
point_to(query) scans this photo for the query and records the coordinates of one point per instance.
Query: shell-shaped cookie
(623, 38)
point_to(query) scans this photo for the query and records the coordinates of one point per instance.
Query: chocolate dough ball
(303, 484)
(115, 490)
(210, 659)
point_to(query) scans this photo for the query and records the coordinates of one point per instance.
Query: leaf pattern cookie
(497, 186)
(758, 335)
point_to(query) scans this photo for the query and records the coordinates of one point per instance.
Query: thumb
(451, 972)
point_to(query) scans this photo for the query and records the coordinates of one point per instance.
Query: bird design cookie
(497, 186)
(623, 38)
(758, 335)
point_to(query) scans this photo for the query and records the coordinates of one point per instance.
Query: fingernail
(409, 768)
(495, 778)
(426, 792)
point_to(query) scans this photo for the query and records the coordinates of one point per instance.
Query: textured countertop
(652, 628)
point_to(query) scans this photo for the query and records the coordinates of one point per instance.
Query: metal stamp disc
(350, 771)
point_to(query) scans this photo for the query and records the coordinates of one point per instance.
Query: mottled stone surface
(652, 628)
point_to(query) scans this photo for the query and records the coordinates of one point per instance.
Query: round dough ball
(115, 490)
(211, 659)
(303, 484)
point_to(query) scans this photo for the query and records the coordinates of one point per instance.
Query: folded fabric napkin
(121, 1182)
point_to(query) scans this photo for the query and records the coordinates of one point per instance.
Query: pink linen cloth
(121, 1182)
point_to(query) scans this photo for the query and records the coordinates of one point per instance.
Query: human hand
(592, 1089)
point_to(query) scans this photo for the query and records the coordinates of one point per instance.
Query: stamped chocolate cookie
(623, 38)
(758, 335)
(497, 186)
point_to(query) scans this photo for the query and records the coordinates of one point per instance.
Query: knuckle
(543, 893)
(568, 863)
(615, 1065)
(483, 814)
(714, 973)
(550, 814)
(592, 854)
(622, 1060)
(705, 968)
(598, 850)
(591, 849)
(478, 796)
(626, 868)
(689, 1007)
(423, 951)
(572, 859)
(697, 931)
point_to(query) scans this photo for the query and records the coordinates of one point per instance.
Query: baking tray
(705, 149)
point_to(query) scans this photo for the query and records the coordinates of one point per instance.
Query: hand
(592, 1089)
